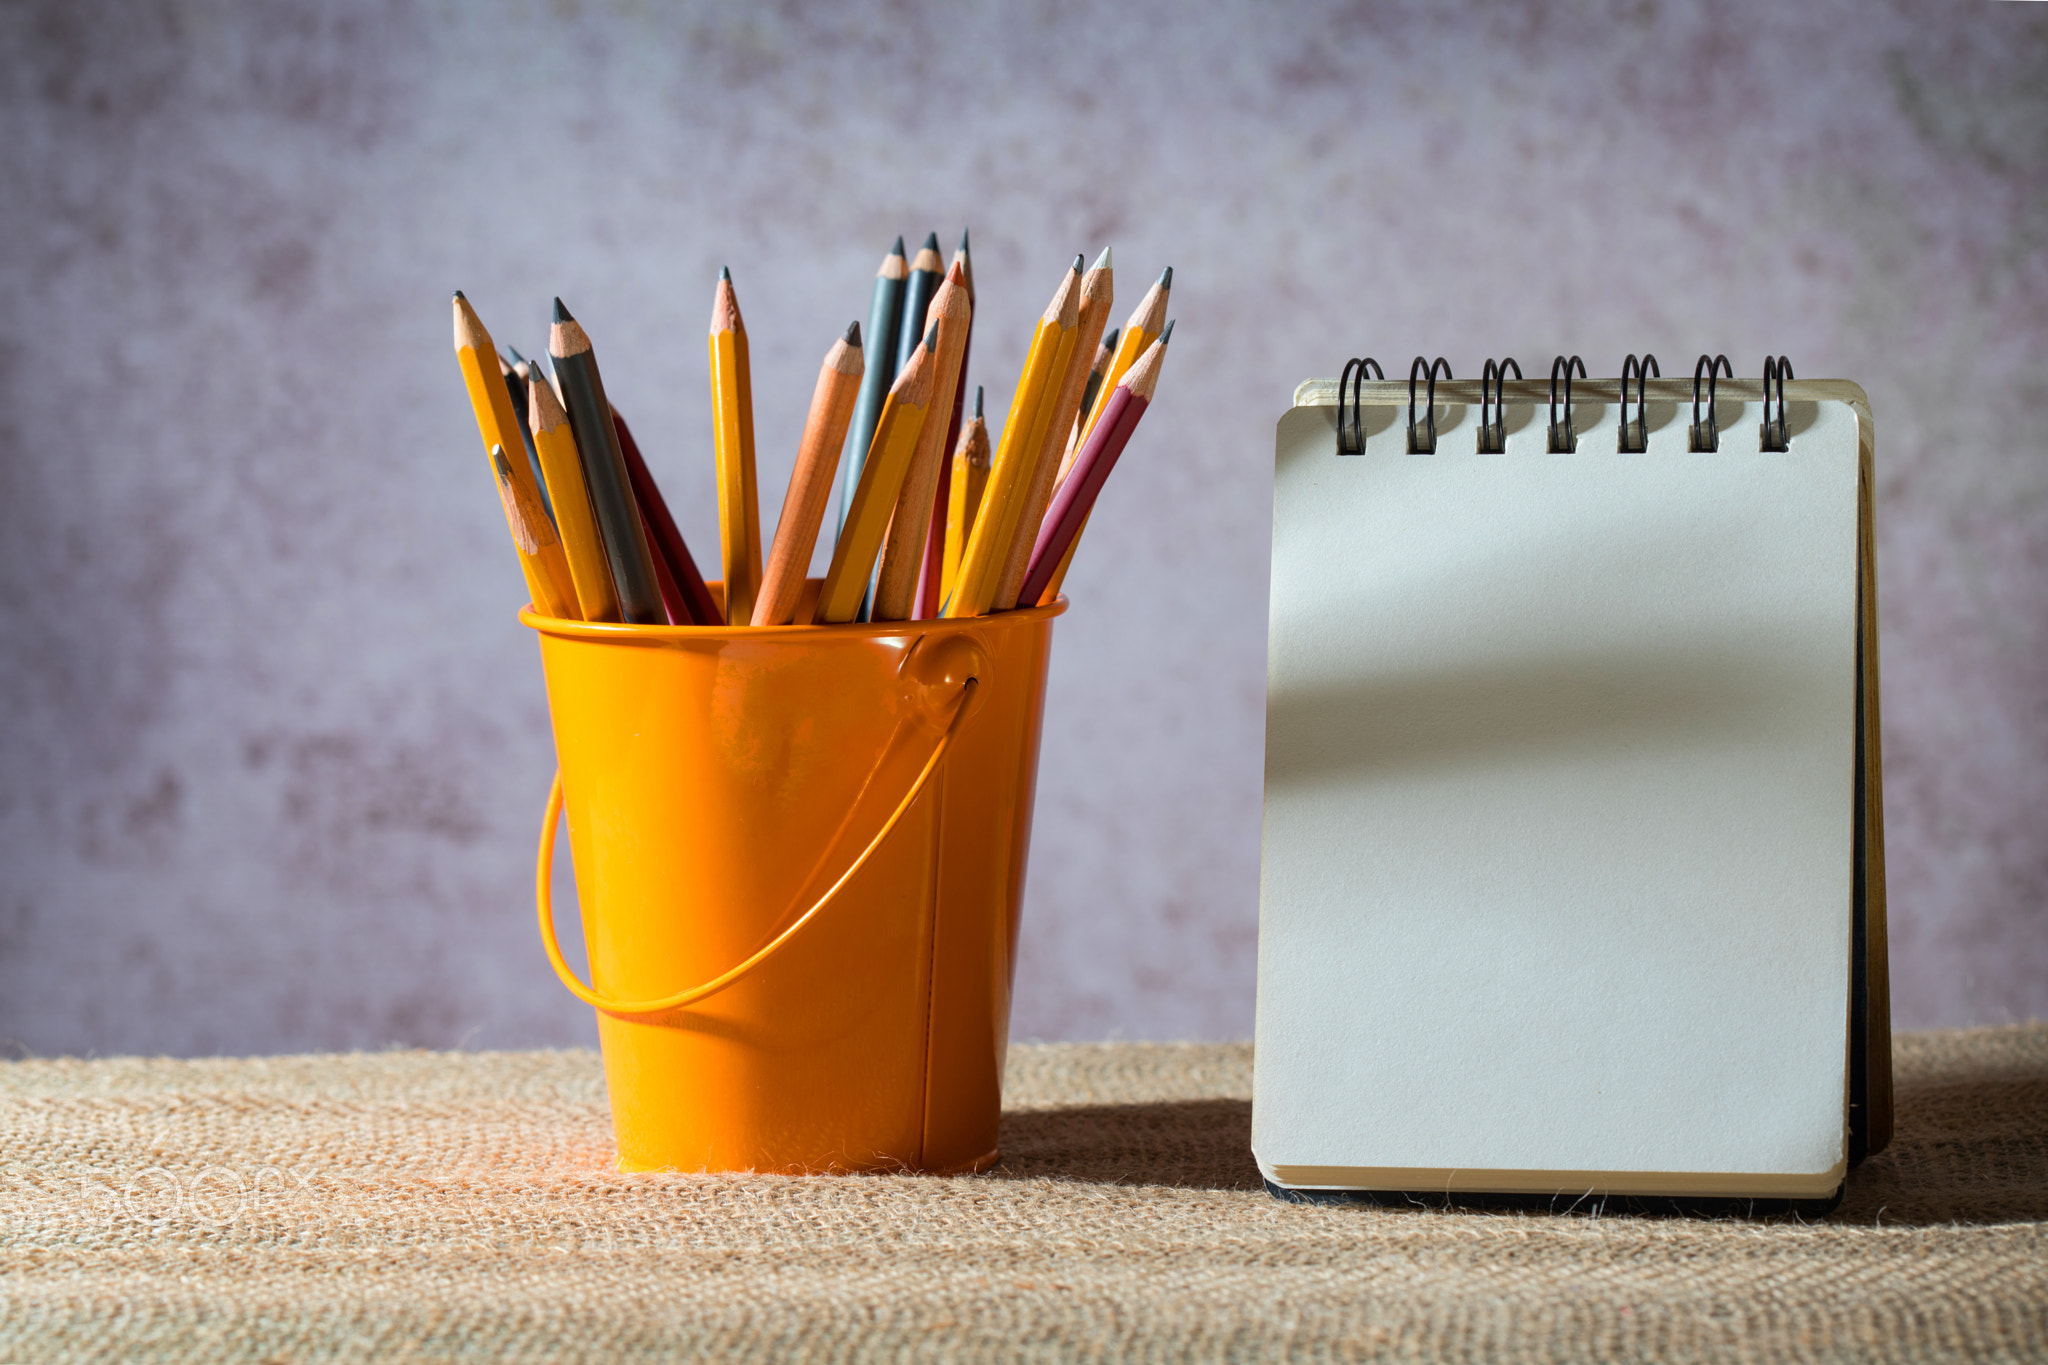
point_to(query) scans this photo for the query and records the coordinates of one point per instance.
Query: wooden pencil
(881, 479)
(927, 269)
(1097, 294)
(1045, 366)
(1104, 354)
(604, 471)
(885, 315)
(963, 500)
(931, 579)
(903, 552)
(546, 569)
(663, 537)
(810, 483)
(1070, 508)
(1139, 333)
(732, 409)
(515, 384)
(562, 467)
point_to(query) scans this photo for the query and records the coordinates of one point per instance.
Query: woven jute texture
(431, 1206)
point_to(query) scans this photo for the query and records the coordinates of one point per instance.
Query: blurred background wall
(275, 746)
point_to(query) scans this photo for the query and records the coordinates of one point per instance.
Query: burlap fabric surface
(416, 1206)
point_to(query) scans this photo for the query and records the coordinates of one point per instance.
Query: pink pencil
(1076, 497)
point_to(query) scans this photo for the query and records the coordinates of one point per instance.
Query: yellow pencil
(881, 479)
(963, 494)
(547, 572)
(1097, 294)
(1148, 320)
(1045, 367)
(555, 443)
(732, 410)
(903, 551)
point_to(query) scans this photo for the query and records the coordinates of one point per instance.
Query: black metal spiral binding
(1707, 435)
(1563, 439)
(1351, 416)
(1635, 436)
(1493, 431)
(1777, 432)
(1416, 445)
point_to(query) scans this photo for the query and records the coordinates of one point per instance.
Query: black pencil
(515, 384)
(604, 472)
(885, 312)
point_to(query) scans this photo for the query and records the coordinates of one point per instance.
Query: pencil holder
(799, 854)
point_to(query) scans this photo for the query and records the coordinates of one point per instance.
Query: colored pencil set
(930, 523)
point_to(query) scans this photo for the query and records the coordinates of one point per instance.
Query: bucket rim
(619, 632)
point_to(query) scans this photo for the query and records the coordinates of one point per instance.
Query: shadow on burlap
(423, 1206)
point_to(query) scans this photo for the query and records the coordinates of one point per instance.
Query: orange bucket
(800, 857)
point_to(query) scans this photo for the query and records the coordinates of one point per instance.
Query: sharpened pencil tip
(1167, 335)
(459, 297)
(963, 242)
(852, 337)
(931, 338)
(931, 241)
(1078, 258)
(977, 400)
(1166, 278)
(1109, 338)
(1102, 261)
(897, 250)
(517, 359)
(725, 272)
(562, 314)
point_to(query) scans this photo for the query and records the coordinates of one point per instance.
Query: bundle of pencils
(930, 522)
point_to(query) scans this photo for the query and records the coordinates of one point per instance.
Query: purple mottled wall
(274, 745)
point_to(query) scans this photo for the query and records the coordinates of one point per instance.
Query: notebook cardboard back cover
(1560, 797)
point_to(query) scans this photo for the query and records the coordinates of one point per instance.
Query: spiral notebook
(1572, 879)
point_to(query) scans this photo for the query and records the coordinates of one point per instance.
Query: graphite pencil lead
(517, 359)
(977, 402)
(1166, 278)
(931, 338)
(1102, 261)
(1109, 339)
(897, 250)
(853, 334)
(963, 242)
(1167, 335)
(1078, 258)
(725, 272)
(931, 241)
(562, 314)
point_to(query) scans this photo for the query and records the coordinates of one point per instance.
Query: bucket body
(718, 784)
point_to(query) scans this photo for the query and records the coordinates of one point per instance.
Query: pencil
(666, 542)
(881, 479)
(604, 471)
(1076, 498)
(810, 484)
(1138, 335)
(1045, 365)
(548, 585)
(1097, 293)
(926, 270)
(885, 314)
(531, 529)
(562, 467)
(732, 408)
(931, 580)
(1104, 353)
(970, 474)
(903, 552)
(515, 384)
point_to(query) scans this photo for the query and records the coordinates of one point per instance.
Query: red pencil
(1076, 497)
(663, 536)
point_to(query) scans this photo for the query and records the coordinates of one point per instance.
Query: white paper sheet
(1559, 805)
